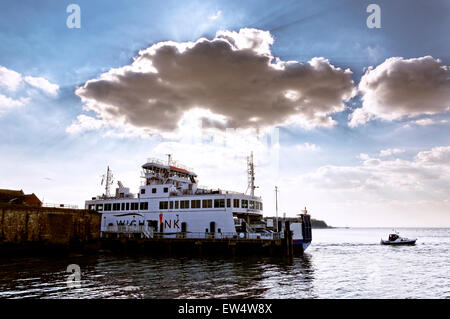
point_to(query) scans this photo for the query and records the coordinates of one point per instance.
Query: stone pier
(25, 228)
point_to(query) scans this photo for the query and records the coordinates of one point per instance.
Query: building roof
(19, 197)
(8, 194)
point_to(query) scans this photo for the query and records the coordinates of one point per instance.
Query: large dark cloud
(403, 88)
(233, 75)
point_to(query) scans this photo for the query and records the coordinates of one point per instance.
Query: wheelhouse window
(184, 204)
(219, 203)
(107, 207)
(166, 189)
(207, 203)
(228, 202)
(195, 203)
(134, 206)
(143, 205)
(163, 205)
(171, 205)
(99, 207)
(236, 202)
(116, 206)
(252, 204)
(143, 191)
(177, 204)
(123, 206)
(92, 207)
(244, 203)
(154, 190)
(127, 206)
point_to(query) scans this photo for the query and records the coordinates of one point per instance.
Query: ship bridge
(176, 177)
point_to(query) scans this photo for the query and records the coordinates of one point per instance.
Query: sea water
(340, 263)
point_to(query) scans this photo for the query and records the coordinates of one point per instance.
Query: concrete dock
(210, 245)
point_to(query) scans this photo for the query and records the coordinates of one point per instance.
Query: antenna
(169, 158)
(251, 175)
(108, 179)
(276, 205)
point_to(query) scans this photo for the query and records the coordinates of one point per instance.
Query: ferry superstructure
(171, 204)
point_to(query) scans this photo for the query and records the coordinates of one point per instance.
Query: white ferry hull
(171, 222)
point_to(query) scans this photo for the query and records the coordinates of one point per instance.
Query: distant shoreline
(319, 224)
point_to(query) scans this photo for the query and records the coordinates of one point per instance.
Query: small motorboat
(395, 239)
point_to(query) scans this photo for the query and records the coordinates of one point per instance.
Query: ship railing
(206, 190)
(127, 229)
(217, 235)
(179, 165)
(149, 233)
(156, 161)
(166, 163)
(60, 205)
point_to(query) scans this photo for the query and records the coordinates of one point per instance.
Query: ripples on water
(341, 263)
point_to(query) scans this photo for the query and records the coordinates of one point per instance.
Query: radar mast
(251, 175)
(108, 179)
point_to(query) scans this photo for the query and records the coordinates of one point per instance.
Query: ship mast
(276, 205)
(251, 175)
(108, 182)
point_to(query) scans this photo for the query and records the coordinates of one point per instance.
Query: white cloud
(42, 84)
(379, 192)
(7, 102)
(84, 123)
(400, 88)
(364, 156)
(426, 176)
(215, 16)
(425, 122)
(391, 151)
(117, 129)
(233, 76)
(307, 147)
(12, 81)
(429, 122)
(9, 79)
(435, 156)
(359, 117)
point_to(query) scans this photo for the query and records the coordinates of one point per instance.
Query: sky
(350, 121)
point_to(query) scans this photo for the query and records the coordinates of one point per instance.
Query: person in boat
(393, 237)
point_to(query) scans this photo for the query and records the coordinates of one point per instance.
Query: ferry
(171, 204)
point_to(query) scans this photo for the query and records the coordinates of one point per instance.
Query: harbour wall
(25, 228)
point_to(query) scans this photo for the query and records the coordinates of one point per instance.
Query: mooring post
(288, 239)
